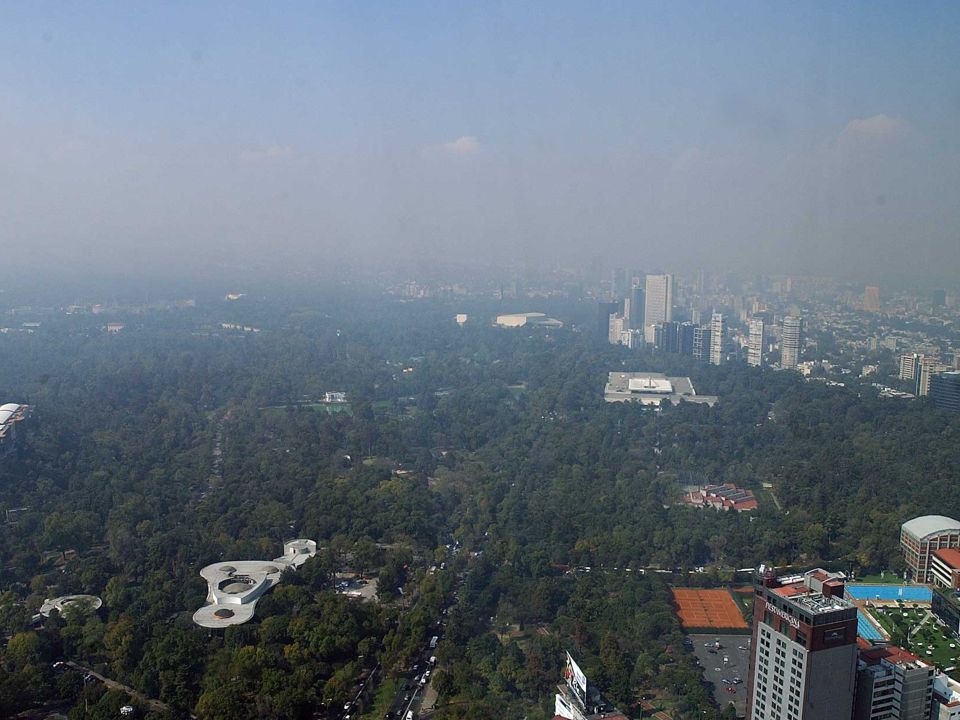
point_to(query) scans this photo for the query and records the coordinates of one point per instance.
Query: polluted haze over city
(479, 361)
(177, 138)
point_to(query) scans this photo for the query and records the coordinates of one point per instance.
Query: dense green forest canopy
(176, 442)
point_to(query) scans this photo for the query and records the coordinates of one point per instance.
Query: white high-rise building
(929, 366)
(658, 300)
(755, 343)
(716, 339)
(909, 364)
(791, 341)
(617, 325)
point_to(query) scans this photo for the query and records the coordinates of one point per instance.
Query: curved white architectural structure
(234, 586)
(10, 415)
(61, 603)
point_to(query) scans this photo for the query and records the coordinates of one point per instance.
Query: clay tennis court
(707, 609)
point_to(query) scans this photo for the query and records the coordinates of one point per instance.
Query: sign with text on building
(794, 622)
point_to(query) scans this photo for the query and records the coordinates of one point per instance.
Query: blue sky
(668, 133)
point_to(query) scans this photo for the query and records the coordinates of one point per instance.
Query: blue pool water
(865, 628)
(908, 593)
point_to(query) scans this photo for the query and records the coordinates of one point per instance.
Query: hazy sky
(815, 136)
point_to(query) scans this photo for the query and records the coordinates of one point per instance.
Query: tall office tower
(685, 335)
(636, 307)
(791, 341)
(945, 391)
(804, 648)
(755, 343)
(929, 366)
(909, 364)
(871, 298)
(667, 336)
(716, 339)
(618, 284)
(892, 683)
(939, 298)
(604, 311)
(615, 328)
(701, 343)
(632, 339)
(658, 299)
(658, 336)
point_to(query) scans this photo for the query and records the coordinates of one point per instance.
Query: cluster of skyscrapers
(641, 313)
(932, 377)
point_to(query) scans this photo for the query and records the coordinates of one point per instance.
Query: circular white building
(62, 603)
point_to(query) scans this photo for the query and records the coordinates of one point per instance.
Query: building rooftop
(650, 388)
(927, 526)
(890, 653)
(527, 318)
(949, 556)
(811, 601)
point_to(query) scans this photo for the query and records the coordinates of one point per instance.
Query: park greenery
(474, 453)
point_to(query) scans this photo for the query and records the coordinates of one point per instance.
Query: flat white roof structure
(515, 320)
(234, 586)
(650, 384)
(62, 603)
(650, 388)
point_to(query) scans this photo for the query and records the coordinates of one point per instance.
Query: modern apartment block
(716, 339)
(909, 364)
(892, 684)
(701, 343)
(755, 343)
(804, 660)
(791, 341)
(929, 367)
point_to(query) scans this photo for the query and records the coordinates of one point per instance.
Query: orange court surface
(707, 609)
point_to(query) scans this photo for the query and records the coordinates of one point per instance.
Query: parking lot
(731, 660)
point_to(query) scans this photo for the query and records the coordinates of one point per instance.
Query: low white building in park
(234, 586)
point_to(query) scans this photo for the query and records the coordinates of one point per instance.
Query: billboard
(576, 680)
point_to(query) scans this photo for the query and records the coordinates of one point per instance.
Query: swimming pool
(908, 593)
(865, 628)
